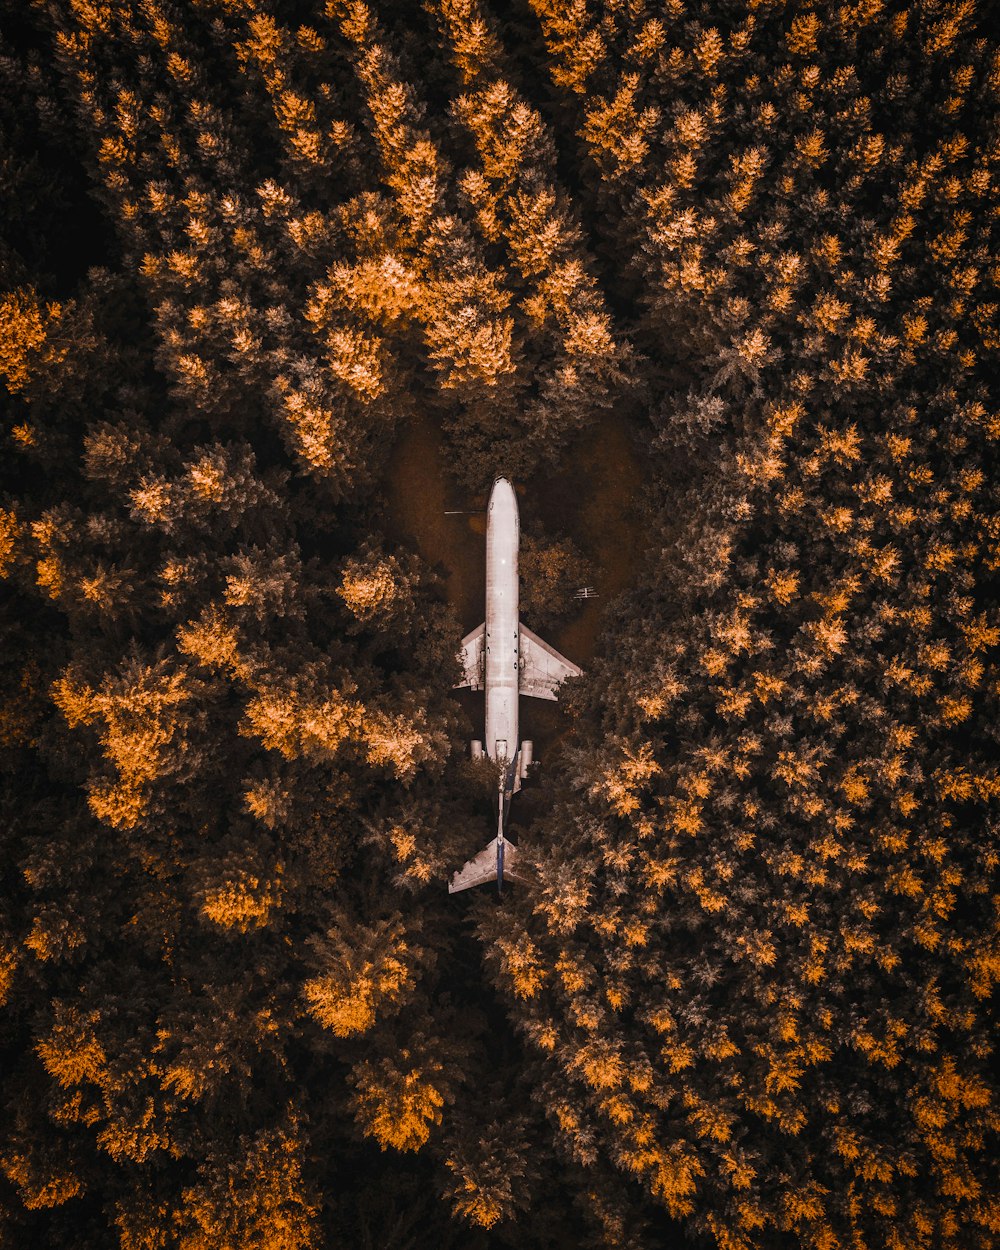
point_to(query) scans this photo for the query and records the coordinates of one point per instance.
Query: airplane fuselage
(501, 644)
(504, 658)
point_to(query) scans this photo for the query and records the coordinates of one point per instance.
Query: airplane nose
(502, 494)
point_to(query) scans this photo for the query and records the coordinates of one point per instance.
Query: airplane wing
(472, 659)
(542, 667)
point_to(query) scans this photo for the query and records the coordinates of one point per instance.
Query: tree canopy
(748, 998)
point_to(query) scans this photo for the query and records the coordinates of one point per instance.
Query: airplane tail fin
(495, 862)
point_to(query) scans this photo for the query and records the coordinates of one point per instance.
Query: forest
(747, 998)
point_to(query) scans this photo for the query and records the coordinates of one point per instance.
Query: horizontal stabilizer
(471, 655)
(483, 868)
(542, 667)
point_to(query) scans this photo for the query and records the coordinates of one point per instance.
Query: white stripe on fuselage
(501, 641)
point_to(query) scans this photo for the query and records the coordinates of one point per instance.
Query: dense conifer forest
(748, 999)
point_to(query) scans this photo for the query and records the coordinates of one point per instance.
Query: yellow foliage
(268, 801)
(385, 288)
(828, 634)
(803, 1205)
(953, 711)
(767, 686)
(708, 1119)
(709, 899)
(133, 1137)
(635, 933)
(356, 359)
(797, 771)
(360, 980)
(153, 500)
(25, 326)
(8, 966)
(733, 632)
(983, 966)
(618, 1109)
(802, 34)
(740, 1171)
(844, 446)
(297, 725)
(601, 1064)
(319, 434)
(662, 690)
(672, 1175)
(854, 786)
(758, 948)
(721, 1047)
(469, 348)
(783, 585)
(39, 1188)
(685, 816)
(475, 1205)
(474, 47)
(812, 148)
(589, 334)
(678, 1056)
(52, 934)
(244, 902)
(393, 741)
(631, 770)
(885, 1050)
(51, 575)
(960, 785)
(72, 1053)
(256, 1198)
(346, 1001)
(734, 701)
(968, 1091)
(10, 532)
(709, 51)
(648, 41)
(369, 588)
(120, 805)
(141, 715)
(753, 347)
(519, 958)
(398, 1109)
(214, 642)
(828, 250)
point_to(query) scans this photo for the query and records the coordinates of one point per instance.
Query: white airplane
(506, 659)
